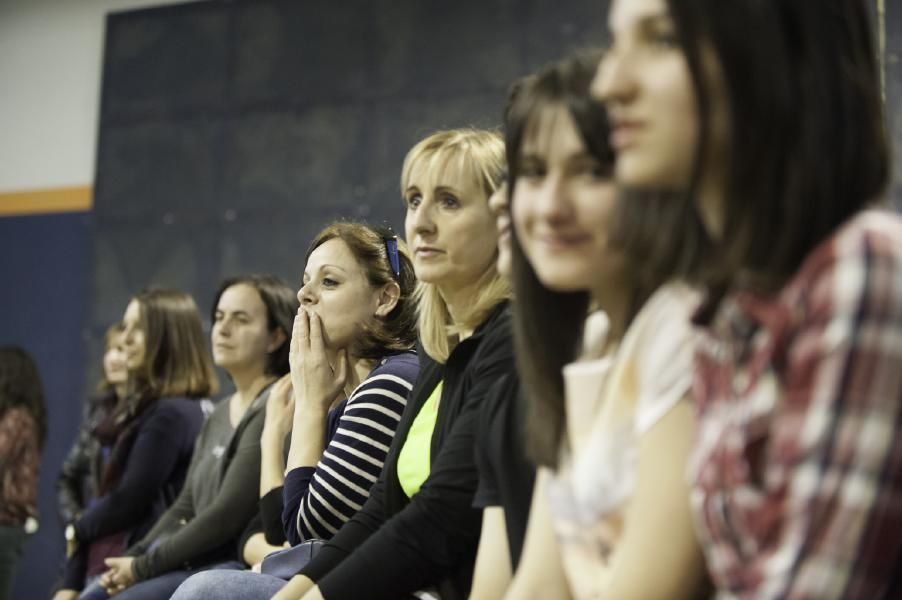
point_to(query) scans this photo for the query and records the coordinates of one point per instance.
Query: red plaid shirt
(797, 469)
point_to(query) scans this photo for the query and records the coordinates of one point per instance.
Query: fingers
(316, 334)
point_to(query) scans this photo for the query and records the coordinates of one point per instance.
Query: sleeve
(181, 511)
(70, 481)
(426, 541)
(835, 449)
(318, 502)
(153, 458)
(219, 523)
(664, 355)
(271, 517)
(487, 493)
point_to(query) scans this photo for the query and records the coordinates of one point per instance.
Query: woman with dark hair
(608, 419)
(767, 117)
(251, 316)
(23, 429)
(147, 441)
(79, 476)
(352, 368)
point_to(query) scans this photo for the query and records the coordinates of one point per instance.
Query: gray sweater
(218, 500)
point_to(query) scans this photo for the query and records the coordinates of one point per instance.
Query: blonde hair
(476, 153)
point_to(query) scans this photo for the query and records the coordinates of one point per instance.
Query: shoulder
(175, 411)
(404, 366)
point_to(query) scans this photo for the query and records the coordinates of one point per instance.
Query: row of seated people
(646, 438)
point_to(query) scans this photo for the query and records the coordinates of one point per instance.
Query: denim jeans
(229, 585)
(158, 588)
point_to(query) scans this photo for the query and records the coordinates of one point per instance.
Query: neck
(248, 384)
(120, 389)
(614, 299)
(459, 300)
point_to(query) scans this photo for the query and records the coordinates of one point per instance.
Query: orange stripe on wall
(39, 202)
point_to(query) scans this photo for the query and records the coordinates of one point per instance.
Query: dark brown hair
(808, 146)
(281, 306)
(548, 324)
(20, 387)
(176, 361)
(397, 331)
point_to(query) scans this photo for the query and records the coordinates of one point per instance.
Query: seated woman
(77, 482)
(356, 324)
(251, 318)
(148, 440)
(609, 419)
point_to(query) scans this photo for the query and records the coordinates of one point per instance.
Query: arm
(492, 574)
(21, 459)
(437, 532)
(835, 437)
(540, 573)
(660, 503)
(219, 522)
(319, 501)
(153, 457)
(256, 548)
(70, 482)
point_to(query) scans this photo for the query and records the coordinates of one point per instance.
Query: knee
(200, 586)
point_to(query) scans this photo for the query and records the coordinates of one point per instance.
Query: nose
(498, 200)
(306, 294)
(613, 82)
(420, 221)
(551, 202)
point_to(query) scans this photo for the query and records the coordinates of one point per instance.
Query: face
(336, 288)
(115, 368)
(646, 86)
(449, 227)
(499, 206)
(562, 204)
(241, 338)
(133, 336)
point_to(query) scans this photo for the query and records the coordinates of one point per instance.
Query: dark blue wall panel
(45, 270)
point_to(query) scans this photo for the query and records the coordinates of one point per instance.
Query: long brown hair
(176, 360)
(396, 331)
(20, 387)
(807, 142)
(548, 324)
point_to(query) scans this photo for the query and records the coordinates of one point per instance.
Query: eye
(217, 317)
(329, 282)
(532, 169)
(413, 201)
(450, 201)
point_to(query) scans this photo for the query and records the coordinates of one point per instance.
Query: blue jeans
(158, 588)
(229, 585)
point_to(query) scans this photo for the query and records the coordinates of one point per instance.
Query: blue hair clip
(391, 248)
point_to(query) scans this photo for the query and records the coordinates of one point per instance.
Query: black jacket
(395, 545)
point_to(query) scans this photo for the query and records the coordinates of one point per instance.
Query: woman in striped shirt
(352, 369)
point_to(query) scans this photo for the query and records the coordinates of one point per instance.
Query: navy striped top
(318, 501)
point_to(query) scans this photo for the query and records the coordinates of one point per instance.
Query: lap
(229, 585)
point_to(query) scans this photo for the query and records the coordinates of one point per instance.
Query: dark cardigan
(396, 545)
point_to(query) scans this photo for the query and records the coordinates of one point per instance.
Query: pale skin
(241, 345)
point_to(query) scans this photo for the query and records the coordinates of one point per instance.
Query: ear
(388, 298)
(276, 338)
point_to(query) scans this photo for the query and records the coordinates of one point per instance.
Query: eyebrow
(323, 268)
(447, 189)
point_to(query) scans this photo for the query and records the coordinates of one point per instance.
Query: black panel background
(231, 132)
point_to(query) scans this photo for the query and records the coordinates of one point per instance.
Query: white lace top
(610, 402)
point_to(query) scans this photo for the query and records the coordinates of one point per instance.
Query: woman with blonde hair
(147, 442)
(418, 529)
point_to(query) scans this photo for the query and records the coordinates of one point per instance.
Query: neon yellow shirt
(414, 459)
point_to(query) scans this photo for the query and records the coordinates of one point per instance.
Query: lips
(562, 242)
(624, 133)
(427, 251)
